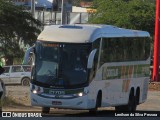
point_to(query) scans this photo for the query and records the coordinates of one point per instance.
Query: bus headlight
(82, 94)
(34, 91)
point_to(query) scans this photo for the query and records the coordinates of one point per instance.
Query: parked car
(17, 74)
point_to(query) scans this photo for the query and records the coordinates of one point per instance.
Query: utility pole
(33, 8)
(156, 56)
(62, 13)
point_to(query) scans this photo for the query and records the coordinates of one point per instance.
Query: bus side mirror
(91, 59)
(27, 54)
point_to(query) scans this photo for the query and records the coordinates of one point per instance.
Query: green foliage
(131, 14)
(75, 2)
(16, 25)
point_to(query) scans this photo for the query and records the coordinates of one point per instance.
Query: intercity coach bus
(90, 66)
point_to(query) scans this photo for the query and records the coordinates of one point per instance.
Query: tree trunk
(9, 60)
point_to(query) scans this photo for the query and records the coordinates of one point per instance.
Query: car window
(17, 69)
(6, 69)
(27, 68)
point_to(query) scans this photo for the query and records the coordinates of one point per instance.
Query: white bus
(90, 66)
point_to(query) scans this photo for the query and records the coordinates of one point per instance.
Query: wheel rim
(25, 82)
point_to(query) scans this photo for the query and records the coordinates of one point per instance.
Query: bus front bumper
(80, 102)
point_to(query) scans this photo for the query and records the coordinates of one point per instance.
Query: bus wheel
(45, 110)
(119, 108)
(98, 104)
(25, 81)
(131, 106)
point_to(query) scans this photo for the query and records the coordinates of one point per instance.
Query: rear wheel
(131, 103)
(45, 110)
(25, 81)
(131, 106)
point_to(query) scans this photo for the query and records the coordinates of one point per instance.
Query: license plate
(56, 103)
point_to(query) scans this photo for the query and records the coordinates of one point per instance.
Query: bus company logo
(110, 73)
(57, 92)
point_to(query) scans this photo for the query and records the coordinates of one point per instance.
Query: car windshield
(62, 65)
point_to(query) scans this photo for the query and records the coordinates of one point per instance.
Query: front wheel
(45, 110)
(98, 104)
(25, 81)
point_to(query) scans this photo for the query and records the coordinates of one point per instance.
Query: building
(21, 2)
(44, 4)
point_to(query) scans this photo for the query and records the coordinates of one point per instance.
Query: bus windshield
(61, 64)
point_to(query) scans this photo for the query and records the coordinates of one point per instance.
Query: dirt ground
(18, 99)
(154, 86)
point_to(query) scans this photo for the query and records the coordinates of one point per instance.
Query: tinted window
(6, 69)
(124, 49)
(61, 64)
(17, 69)
(27, 68)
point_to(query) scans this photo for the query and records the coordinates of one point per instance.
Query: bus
(85, 66)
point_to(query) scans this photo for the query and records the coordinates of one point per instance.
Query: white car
(16, 74)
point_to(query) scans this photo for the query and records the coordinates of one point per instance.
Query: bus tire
(25, 81)
(137, 96)
(45, 110)
(98, 104)
(119, 108)
(131, 106)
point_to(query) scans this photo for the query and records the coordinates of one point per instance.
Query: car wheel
(25, 81)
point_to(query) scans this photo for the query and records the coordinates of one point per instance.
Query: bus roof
(83, 33)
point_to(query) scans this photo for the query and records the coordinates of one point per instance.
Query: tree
(75, 2)
(16, 25)
(131, 14)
